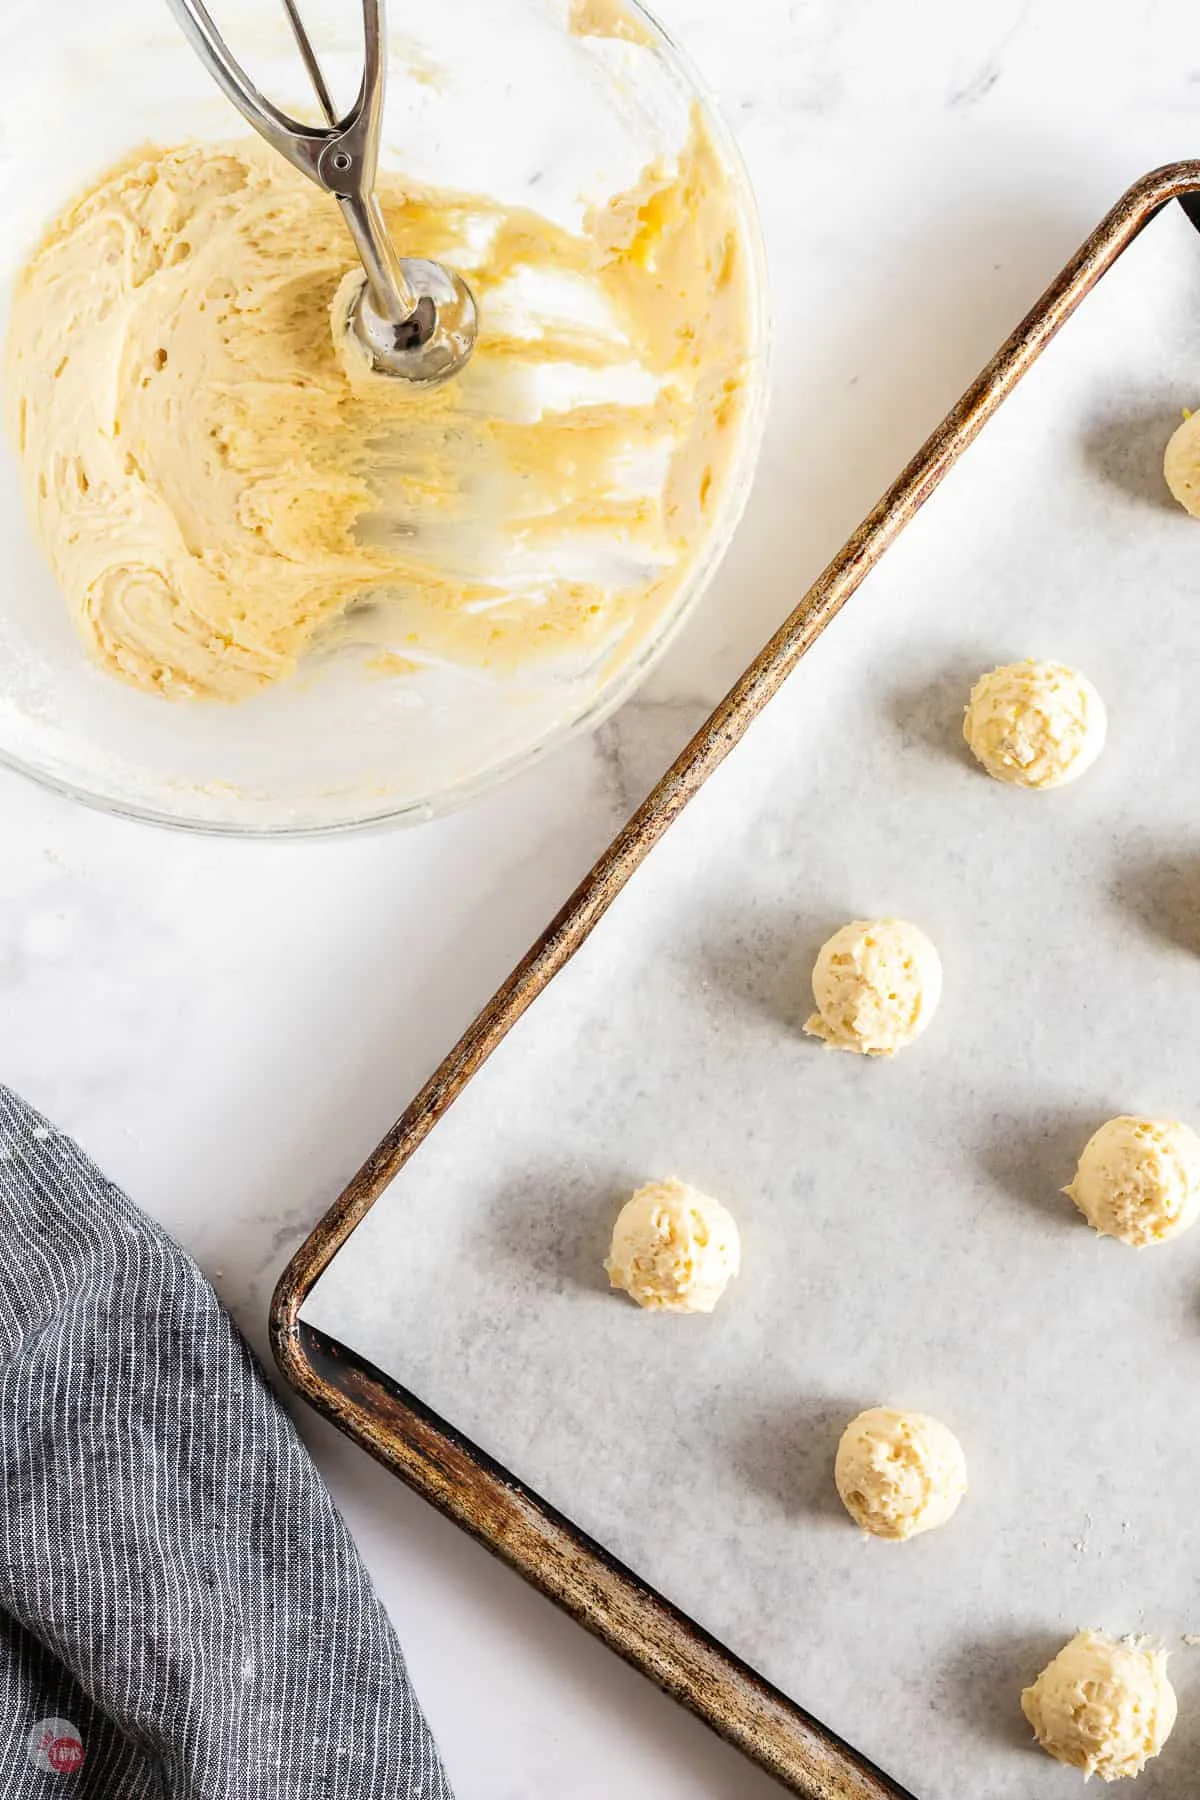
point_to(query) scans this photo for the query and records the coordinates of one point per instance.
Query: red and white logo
(56, 1746)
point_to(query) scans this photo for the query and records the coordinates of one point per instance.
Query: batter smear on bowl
(220, 485)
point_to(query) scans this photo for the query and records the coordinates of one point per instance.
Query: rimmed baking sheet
(904, 1238)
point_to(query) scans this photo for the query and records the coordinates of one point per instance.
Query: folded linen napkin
(183, 1615)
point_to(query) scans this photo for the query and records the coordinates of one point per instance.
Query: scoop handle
(342, 158)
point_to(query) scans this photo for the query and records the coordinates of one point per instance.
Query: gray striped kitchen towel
(182, 1613)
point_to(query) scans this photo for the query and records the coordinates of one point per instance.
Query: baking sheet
(904, 1240)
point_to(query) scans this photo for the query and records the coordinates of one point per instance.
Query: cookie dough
(1103, 1705)
(899, 1473)
(220, 489)
(1035, 724)
(1139, 1180)
(608, 19)
(1181, 464)
(876, 983)
(674, 1249)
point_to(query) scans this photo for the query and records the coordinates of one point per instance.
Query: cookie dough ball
(1035, 724)
(876, 983)
(673, 1248)
(1181, 465)
(1139, 1180)
(1104, 1706)
(899, 1473)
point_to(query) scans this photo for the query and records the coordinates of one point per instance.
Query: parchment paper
(904, 1237)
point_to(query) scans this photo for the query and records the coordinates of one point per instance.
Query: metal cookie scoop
(414, 319)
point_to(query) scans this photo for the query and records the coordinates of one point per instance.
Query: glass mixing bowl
(553, 105)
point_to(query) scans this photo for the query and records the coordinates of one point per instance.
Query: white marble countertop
(229, 1028)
